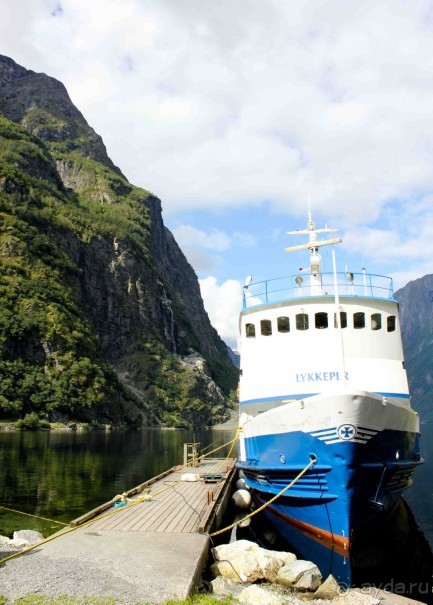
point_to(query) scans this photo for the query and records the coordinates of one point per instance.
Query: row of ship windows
(321, 321)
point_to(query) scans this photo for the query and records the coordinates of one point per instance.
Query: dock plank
(185, 508)
(177, 506)
(168, 505)
(180, 503)
(131, 549)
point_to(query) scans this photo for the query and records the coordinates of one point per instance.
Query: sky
(236, 113)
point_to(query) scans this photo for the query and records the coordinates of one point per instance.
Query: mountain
(101, 317)
(235, 357)
(416, 317)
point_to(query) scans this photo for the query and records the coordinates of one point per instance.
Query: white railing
(299, 286)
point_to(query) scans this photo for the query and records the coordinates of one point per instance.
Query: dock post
(191, 452)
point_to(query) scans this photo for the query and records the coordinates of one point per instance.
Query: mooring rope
(120, 497)
(238, 433)
(201, 457)
(71, 529)
(20, 512)
(266, 504)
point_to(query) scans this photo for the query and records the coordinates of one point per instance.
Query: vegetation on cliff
(98, 306)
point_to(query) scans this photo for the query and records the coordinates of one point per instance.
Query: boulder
(225, 587)
(309, 581)
(329, 589)
(6, 544)
(288, 557)
(257, 595)
(26, 537)
(299, 574)
(245, 561)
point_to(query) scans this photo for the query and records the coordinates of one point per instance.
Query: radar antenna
(312, 232)
(313, 245)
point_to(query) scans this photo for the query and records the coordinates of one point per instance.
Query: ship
(329, 440)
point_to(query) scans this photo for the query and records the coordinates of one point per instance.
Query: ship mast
(313, 245)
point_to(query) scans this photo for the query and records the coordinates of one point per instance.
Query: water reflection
(62, 474)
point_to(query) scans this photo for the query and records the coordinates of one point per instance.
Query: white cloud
(223, 302)
(203, 107)
(200, 246)
(213, 240)
(224, 105)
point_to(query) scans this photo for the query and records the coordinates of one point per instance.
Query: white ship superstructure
(322, 376)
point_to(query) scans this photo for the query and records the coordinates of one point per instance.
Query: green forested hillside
(101, 317)
(49, 359)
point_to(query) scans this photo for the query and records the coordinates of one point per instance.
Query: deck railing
(300, 286)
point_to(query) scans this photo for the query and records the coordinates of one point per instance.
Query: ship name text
(322, 376)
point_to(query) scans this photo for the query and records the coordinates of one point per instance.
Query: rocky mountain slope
(101, 316)
(416, 315)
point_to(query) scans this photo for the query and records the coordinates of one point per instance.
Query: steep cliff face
(120, 270)
(416, 314)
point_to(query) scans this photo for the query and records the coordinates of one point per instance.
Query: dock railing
(299, 286)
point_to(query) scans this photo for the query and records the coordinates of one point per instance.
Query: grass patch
(199, 599)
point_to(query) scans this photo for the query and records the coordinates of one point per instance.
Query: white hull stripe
(295, 397)
(345, 432)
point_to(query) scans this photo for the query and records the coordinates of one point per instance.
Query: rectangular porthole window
(283, 324)
(266, 327)
(359, 320)
(250, 330)
(390, 323)
(321, 320)
(302, 321)
(343, 319)
(376, 321)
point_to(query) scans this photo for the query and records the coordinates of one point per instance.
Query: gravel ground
(131, 567)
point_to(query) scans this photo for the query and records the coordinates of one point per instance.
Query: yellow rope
(71, 529)
(224, 462)
(266, 504)
(149, 496)
(20, 512)
(122, 497)
(198, 458)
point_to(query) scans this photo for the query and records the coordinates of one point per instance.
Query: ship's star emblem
(346, 432)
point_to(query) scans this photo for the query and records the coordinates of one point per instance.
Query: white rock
(226, 587)
(18, 543)
(225, 551)
(288, 557)
(309, 581)
(354, 597)
(28, 535)
(291, 575)
(329, 589)
(255, 595)
(245, 561)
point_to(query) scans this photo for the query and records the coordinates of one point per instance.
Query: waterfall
(173, 340)
(167, 303)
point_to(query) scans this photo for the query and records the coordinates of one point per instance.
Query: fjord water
(62, 474)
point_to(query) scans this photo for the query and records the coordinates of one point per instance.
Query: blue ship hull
(351, 488)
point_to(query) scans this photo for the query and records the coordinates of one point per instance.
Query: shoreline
(6, 427)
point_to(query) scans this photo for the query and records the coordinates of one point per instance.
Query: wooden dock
(150, 550)
(171, 504)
